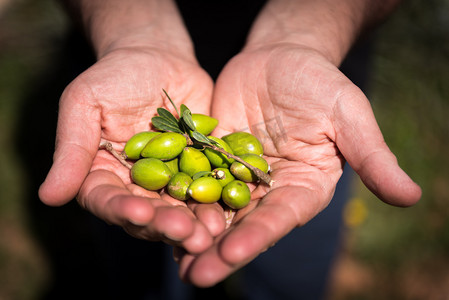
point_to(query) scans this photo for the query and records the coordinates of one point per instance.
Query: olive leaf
(201, 174)
(163, 124)
(167, 115)
(171, 101)
(199, 137)
(215, 143)
(186, 117)
(184, 108)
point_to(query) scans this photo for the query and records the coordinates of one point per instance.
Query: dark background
(388, 253)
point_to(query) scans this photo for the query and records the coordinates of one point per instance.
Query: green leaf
(215, 143)
(164, 125)
(201, 174)
(199, 137)
(167, 115)
(171, 101)
(184, 108)
(187, 119)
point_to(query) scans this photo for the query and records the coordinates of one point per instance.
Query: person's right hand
(311, 119)
(112, 100)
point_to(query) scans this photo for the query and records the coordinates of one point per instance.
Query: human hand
(311, 119)
(113, 100)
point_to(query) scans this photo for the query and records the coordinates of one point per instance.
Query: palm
(308, 116)
(113, 100)
(126, 89)
(289, 105)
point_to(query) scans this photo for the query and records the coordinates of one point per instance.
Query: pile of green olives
(167, 160)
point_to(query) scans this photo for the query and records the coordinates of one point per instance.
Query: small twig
(229, 216)
(120, 157)
(259, 173)
(188, 139)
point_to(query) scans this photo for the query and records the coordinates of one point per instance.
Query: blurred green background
(388, 253)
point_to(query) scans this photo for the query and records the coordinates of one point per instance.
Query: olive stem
(259, 173)
(188, 139)
(118, 156)
(229, 216)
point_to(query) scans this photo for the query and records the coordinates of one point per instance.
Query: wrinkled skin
(113, 100)
(313, 119)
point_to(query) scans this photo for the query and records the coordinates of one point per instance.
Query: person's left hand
(113, 100)
(311, 119)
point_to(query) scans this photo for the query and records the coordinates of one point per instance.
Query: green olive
(173, 165)
(218, 159)
(193, 161)
(223, 175)
(236, 194)
(241, 172)
(243, 143)
(204, 124)
(205, 190)
(165, 146)
(178, 185)
(150, 173)
(137, 142)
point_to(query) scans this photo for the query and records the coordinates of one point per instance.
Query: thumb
(361, 143)
(77, 141)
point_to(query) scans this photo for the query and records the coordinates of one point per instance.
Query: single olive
(204, 124)
(205, 190)
(193, 161)
(150, 173)
(165, 146)
(243, 143)
(178, 185)
(223, 175)
(240, 171)
(173, 165)
(236, 194)
(137, 142)
(216, 158)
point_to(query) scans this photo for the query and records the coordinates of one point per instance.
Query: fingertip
(398, 190)
(139, 213)
(238, 245)
(69, 170)
(211, 215)
(175, 222)
(204, 272)
(52, 193)
(199, 241)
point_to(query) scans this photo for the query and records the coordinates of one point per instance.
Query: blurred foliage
(401, 253)
(29, 33)
(407, 250)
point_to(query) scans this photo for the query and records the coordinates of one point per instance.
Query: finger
(361, 142)
(211, 215)
(77, 141)
(106, 196)
(174, 225)
(278, 213)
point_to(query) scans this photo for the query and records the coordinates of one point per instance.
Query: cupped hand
(112, 100)
(311, 119)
